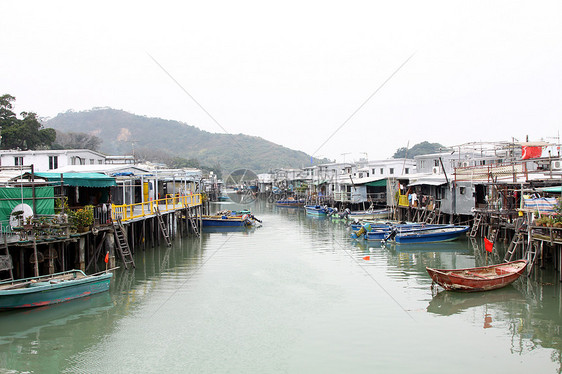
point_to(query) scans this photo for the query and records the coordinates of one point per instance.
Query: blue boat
(428, 234)
(51, 289)
(318, 210)
(290, 203)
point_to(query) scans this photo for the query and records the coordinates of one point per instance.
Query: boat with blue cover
(51, 289)
(318, 210)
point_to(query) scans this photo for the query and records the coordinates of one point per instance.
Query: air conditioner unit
(435, 170)
(556, 165)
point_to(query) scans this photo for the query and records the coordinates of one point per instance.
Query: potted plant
(82, 218)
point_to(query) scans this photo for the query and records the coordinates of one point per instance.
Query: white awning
(429, 182)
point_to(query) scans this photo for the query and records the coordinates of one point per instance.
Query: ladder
(518, 239)
(163, 228)
(476, 225)
(193, 223)
(430, 217)
(532, 254)
(123, 248)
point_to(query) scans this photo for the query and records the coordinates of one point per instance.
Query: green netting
(14, 196)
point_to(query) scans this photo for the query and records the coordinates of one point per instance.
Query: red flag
(367, 258)
(106, 257)
(488, 245)
(530, 152)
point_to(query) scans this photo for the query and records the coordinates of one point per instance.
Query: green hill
(120, 131)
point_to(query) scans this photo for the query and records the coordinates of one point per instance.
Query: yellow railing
(171, 202)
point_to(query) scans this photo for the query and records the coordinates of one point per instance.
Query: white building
(45, 160)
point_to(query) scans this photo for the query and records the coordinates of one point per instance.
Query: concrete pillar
(110, 247)
(51, 252)
(82, 253)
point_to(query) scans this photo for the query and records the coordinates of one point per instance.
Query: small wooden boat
(51, 289)
(229, 221)
(482, 278)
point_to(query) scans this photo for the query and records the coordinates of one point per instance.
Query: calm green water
(294, 296)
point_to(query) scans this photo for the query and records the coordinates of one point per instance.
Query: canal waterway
(296, 295)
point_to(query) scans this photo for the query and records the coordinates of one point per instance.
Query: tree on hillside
(76, 140)
(423, 148)
(26, 133)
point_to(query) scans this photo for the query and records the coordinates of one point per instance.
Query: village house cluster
(458, 183)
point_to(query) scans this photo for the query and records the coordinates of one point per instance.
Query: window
(92, 161)
(100, 162)
(391, 170)
(407, 171)
(382, 170)
(374, 171)
(436, 162)
(462, 190)
(18, 160)
(53, 162)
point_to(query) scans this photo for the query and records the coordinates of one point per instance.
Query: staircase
(123, 249)
(163, 228)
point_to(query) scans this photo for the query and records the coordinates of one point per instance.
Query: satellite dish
(27, 212)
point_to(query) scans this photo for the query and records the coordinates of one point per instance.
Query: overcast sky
(292, 72)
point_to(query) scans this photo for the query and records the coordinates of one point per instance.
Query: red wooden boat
(482, 278)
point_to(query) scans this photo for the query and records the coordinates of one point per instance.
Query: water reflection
(447, 303)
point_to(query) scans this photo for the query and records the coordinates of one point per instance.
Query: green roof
(555, 189)
(80, 179)
(379, 183)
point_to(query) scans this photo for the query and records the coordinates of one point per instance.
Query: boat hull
(483, 278)
(46, 293)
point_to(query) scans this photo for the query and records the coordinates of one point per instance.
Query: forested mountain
(122, 132)
(423, 148)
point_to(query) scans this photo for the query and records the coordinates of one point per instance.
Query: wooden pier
(124, 230)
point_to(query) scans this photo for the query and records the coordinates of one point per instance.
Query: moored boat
(51, 289)
(426, 234)
(482, 278)
(290, 203)
(370, 214)
(244, 220)
(318, 210)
